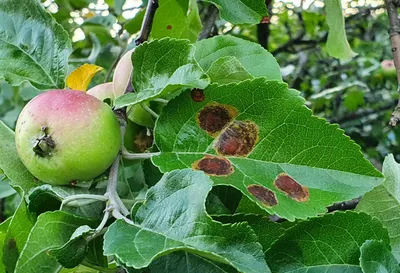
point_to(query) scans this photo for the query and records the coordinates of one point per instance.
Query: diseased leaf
(376, 258)
(325, 244)
(177, 19)
(80, 78)
(33, 46)
(161, 68)
(241, 11)
(337, 44)
(10, 163)
(252, 58)
(258, 137)
(383, 202)
(17, 235)
(173, 218)
(52, 230)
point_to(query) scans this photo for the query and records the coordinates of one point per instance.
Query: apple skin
(80, 136)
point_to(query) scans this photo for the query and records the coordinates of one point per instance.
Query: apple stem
(148, 110)
(161, 100)
(133, 156)
(77, 197)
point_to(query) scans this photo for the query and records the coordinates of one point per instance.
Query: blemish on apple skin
(214, 117)
(197, 95)
(291, 188)
(214, 166)
(238, 139)
(263, 194)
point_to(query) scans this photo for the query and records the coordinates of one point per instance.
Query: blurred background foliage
(358, 94)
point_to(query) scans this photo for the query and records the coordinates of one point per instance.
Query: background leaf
(376, 257)
(241, 11)
(222, 50)
(33, 47)
(257, 136)
(177, 19)
(330, 243)
(383, 202)
(337, 44)
(173, 218)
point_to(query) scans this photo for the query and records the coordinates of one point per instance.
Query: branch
(394, 32)
(263, 30)
(209, 22)
(147, 22)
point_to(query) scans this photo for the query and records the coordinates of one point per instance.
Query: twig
(76, 197)
(394, 32)
(147, 22)
(263, 30)
(209, 22)
(127, 155)
(161, 101)
(347, 205)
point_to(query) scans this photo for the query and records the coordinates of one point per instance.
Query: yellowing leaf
(80, 78)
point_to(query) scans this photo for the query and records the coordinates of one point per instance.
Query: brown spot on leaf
(262, 194)
(215, 117)
(197, 95)
(144, 140)
(291, 188)
(11, 244)
(169, 27)
(214, 165)
(238, 139)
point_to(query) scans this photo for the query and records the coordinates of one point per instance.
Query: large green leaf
(3, 233)
(376, 258)
(33, 46)
(383, 202)
(162, 67)
(173, 218)
(10, 163)
(326, 244)
(260, 138)
(337, 44)
(17, 235)
(52, 230)
(250, 57)
(241, 11)
(177, 19)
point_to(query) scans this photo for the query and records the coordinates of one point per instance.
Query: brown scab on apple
(214, 166)
(238, 139)
(214, 117)
(263, 194)
(291, 188)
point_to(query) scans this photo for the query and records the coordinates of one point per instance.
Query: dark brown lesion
(197, 95)
(263, 194)
(291, 188)
(44, 144)
(214, 165)
(238, 139)
(214, 117)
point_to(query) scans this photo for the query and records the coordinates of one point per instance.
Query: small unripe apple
(388, 68)
(64, 136)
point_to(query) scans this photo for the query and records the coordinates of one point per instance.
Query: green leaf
(3, 233)
(325, 244)
(353, 100)
(17, 235)
(258, 137)
(133, 26)
(106, 21)
(5, 188)
(266, 230)
(33, 46)
(253, 58)
(383, 202)
(177, 19)
(226, 70)
(52, 230)
(10, 163)
(376, 258)
(184, 262)
(161, 68)
(173, 218)
(49, 198)
(241, 11)
(337, 44)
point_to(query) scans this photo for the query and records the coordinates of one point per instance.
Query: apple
(66, 136)
(388, 68)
